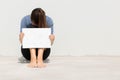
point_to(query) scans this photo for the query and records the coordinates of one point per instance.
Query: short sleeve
(23, 24)
(50, 24)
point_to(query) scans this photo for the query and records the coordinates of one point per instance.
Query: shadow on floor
(23, 60)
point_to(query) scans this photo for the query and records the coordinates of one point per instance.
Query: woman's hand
(52, 38)
(21, 35)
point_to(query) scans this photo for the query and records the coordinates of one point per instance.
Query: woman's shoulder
(26, 20)
(48, 18)
(26, 17)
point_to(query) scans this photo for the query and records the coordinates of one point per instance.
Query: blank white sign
(36, 38)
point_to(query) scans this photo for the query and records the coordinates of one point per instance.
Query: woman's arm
(24, 22)
(50, 25)
(21, 35)
(52, 38)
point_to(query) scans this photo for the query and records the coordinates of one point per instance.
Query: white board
(36, 38)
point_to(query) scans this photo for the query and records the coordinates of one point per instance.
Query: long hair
(38, 17)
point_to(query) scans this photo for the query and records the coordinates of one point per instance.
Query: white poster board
(36, 38)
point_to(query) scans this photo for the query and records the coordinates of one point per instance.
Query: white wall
(82, 27)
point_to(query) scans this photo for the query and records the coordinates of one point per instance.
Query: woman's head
(38, 18)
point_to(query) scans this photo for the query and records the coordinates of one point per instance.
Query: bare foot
(32, 65)
(41, 65)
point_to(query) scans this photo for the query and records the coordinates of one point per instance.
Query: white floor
(63, 68)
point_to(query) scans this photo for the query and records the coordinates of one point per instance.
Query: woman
(38, 19)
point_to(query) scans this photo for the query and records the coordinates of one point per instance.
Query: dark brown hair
(38, 17)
